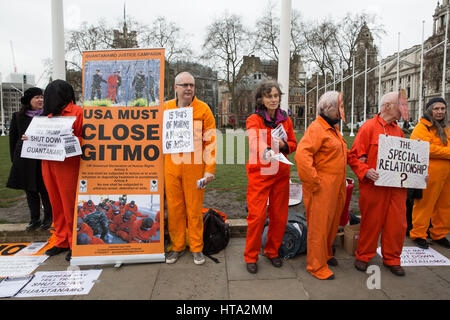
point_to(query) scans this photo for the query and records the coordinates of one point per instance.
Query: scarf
(34, 113)
(280, 116)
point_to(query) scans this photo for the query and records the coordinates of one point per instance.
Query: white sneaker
(173, 256)
(199, 258)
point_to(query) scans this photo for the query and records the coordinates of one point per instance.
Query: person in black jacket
(26, 174)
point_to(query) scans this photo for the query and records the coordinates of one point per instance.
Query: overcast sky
(27, 23)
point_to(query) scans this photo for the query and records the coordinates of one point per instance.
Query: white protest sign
(19, 266)
(60, 283)
(414, 256)
(402, 163)
(178, 130)
(279, 132)
(44, 138)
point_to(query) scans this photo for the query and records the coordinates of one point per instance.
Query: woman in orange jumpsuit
(321, 159)
(267, 179)
(60, 177)
(435, 201)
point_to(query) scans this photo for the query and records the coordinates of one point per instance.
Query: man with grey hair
(321, 159)
(382, 208)
(184, 196)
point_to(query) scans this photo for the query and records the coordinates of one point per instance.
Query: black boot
(33, 225)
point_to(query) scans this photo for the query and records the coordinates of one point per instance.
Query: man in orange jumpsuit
(131, 206)
(435, 202)
(383, 209)
(60, 177)
(84, 228)
(113, 81)
(321, 159)
(122, 224)
(184, 199)
(142, 231)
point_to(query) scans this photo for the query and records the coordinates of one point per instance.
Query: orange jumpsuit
(321, 159)
(128, 207)
(60, 178)
(382, 208)
(112, 86)
(263, 185)
(122, 228)
(138, 235)
(85, 228)
(435, 202)
(184, 200)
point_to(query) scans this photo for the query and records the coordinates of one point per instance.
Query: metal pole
(365, 89)
(1, 105)
(398, 64)
(380, 91)
(342, 90)
(334, 80)
(421, 73)
(285, 40)
(353, 97)
(444, 66)
(325, 82)
(317, 95)
(59, 64)
(306, 102)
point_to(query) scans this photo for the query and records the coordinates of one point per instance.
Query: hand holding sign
(372, 175)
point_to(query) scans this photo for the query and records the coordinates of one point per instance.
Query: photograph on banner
(125, 78)
(118, 219)
(402, 163)
(121, 174)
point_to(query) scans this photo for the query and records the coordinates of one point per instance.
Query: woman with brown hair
(267, 177)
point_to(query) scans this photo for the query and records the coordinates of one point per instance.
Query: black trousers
(34, 203)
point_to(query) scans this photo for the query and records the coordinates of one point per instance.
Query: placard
(45, 141)
(414, 256)
(178, 130)
(402, 163)
(60, 283)
(19, 266)
(121, 168)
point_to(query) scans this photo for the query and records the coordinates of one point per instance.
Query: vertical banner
(120, 183)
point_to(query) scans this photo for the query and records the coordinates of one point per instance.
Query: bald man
(182, 171)
(382, 208)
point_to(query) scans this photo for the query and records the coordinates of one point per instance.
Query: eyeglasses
(185, 85)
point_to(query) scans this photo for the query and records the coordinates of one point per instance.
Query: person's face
(37, 102)
(402, 105)
(271, 100)
(185, 88)
(438, 111)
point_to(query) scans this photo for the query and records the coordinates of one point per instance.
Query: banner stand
(120, 259)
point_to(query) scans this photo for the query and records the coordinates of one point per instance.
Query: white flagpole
(1, 104)
(285, 40)
(306, 102)
(421, 74)
(342, 90)
(325, 82)
(59, 63)
(334, 80)
(317, 95)
(398, 64)
(444, 68)
(353, 97)
(380, 90)
(365, 89)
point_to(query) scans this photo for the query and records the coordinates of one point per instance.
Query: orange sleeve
(209, 140)
(255, 132)
(421, 132)
(292, 141)
(304, 157)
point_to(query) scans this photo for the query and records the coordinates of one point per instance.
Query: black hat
(435, 100)
(29, 94)
(147, 223)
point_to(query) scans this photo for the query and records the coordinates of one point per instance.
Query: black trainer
(55, 250)
(33, 225)
(443, 242)
(421, 243)
(332, 262)
(46, 225)
(69, 255)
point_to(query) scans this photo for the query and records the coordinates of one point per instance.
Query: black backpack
(216, 233)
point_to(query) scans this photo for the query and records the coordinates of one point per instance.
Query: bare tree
(167, 35)
(226, 43)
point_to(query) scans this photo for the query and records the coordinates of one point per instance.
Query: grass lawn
(233, 177)
(7, 195)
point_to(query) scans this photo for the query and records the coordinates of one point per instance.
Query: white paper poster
(414, 256)
(19, 266)
(60, 283)
(402, 163)
(45, 139)
(178, 130)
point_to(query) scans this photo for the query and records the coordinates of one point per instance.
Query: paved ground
(229, 280)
